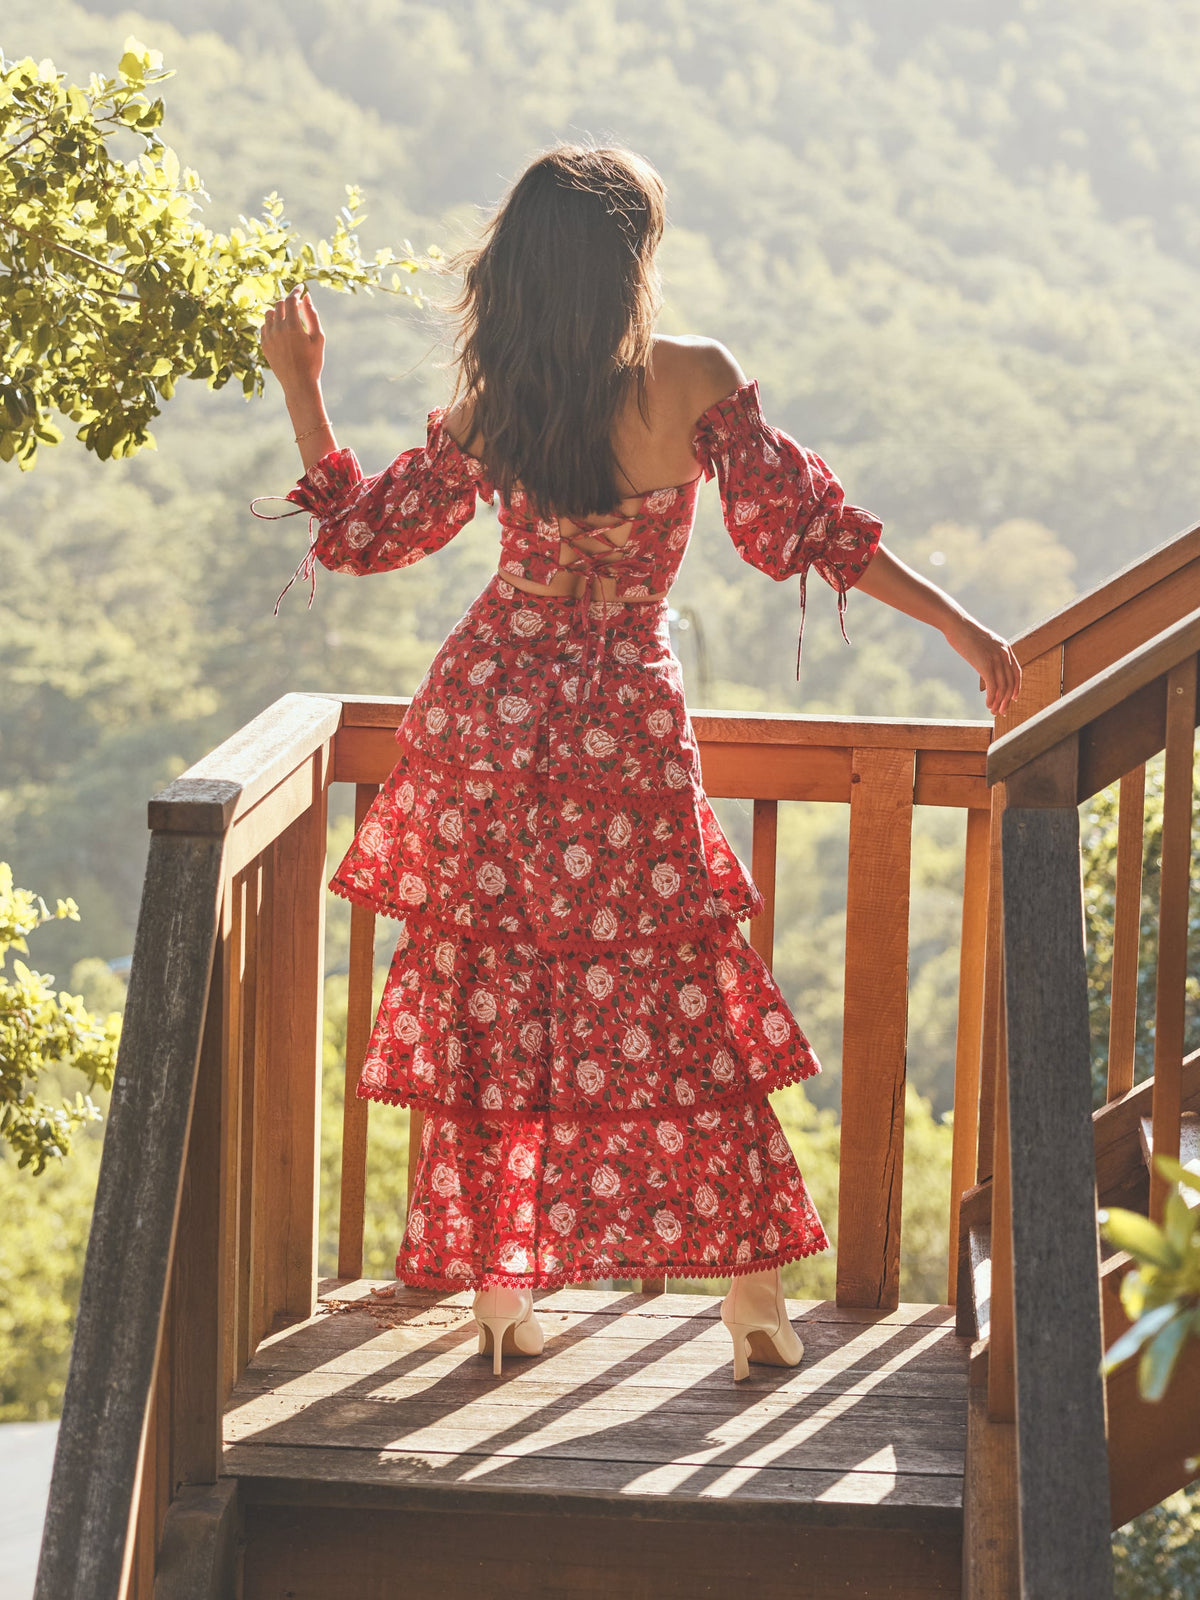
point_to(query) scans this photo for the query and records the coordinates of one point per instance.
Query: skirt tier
(571, 1001)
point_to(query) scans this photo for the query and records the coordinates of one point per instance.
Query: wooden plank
(1127, 920)
(1001, 1370)
(245, 1298)
(1150, 1442)
(233, 913)
(873, 1495)
(991, 1568)
(1166, 562)
(874, 1036)
(288, 1093)
(199, 1546)
(198, 1273)
(1040, 687)
(776, 756)
(359, 1016)
(969, 1036)
(308, 1555)
(741, 727)
(1123, 737)
(809, 1431)
(1063, 1468)
(1119, 1159)
(607, 1305)
(762, 870)
(252, 831)
(416, 1128)
(1085, 704)
(1173, 921)
(128, 1258)
(1130, 624)
(227, 782)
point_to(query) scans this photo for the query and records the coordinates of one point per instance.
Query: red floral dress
(571, 1001)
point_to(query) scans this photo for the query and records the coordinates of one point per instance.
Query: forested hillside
(958, 244)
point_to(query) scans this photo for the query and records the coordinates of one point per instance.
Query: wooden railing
(1096, 734)
(1078, 642)
(205, 1229)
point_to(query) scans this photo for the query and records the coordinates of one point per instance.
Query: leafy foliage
(111, 289)
(1098, 839)
(39, 1029)
(1161, 1297)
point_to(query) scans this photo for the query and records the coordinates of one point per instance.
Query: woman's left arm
(888, 579)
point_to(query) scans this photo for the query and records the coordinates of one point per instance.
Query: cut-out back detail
(784, 509)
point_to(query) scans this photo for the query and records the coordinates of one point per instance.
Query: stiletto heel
(759, 1327)
(507, 1314)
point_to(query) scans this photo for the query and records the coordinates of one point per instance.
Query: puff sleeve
(784, 509)
(392, 518)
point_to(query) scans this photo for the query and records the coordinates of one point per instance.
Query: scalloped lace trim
(593, 1271)
(463, 1112)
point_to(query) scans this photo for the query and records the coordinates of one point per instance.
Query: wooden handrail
(132, 1239)
(1139, 670)
(1133, 580)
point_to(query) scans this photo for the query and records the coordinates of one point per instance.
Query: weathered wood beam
(1063, 1466)
(130, 1244)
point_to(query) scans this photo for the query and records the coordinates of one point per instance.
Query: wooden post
(100, 1439)
(288, 1094)
(1001, 1374)
(969, 1037)
(1174, 887)
(762, 870)
(875, 1029)
(359, 1010)
(1127, 924)
(1063, 1461)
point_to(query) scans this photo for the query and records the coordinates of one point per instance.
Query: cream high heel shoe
(755, 1313)
(508, 1314)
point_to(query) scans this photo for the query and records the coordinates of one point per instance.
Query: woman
(571, 1001)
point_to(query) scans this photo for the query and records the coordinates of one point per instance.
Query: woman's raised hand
(991, 656)
(293, 343)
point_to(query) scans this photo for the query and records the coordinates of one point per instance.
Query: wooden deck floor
(631, 1410)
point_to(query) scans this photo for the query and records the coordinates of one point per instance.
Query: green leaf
(1132, 1340)
(1158, 1360)
(1129, 1230)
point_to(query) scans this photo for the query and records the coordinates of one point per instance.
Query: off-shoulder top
(784, 509)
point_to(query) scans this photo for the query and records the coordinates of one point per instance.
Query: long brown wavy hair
(556, 321)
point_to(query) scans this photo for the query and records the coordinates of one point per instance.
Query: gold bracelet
(321, 427)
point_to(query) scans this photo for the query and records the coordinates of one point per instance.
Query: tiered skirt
(571, 1001)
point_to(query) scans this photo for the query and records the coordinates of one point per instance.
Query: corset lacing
(593, 564)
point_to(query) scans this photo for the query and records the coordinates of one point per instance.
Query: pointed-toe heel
(507, 1314)
(760, 1329)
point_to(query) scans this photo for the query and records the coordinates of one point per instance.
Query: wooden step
(1189, 1144)
(375, 1451)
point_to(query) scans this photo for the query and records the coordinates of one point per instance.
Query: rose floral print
(572, 1002)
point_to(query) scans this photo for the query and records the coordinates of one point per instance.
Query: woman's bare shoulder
(697, 371)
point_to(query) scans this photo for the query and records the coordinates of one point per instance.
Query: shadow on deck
(350, 1432)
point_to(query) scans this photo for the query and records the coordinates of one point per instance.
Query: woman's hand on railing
(293, 345)
(991, 656)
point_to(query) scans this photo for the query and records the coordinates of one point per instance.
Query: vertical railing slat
(1127, 922)
(198, 1283)
(762, 870)
(359, 1009)
(875, 1028)
(1001, 1375)
(1174, 887)
(969, 1036)
(289, 1094)
(252, 891)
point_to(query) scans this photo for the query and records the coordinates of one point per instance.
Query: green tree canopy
(111, 288)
